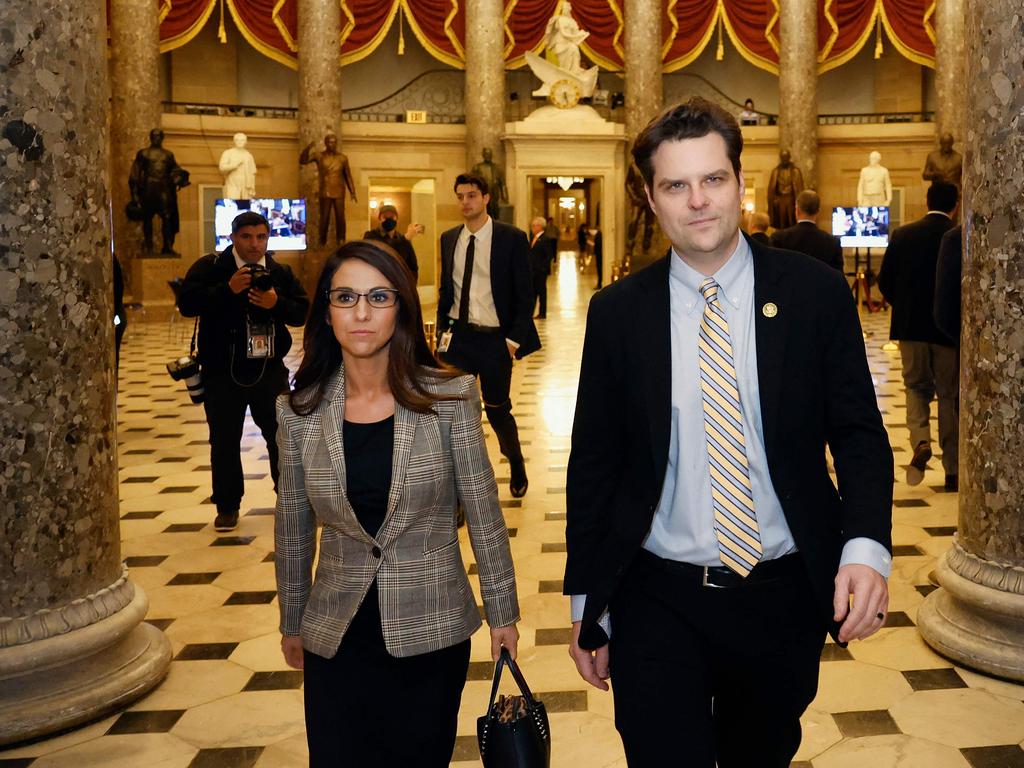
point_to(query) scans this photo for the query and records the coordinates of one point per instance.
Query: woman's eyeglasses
(378, 298)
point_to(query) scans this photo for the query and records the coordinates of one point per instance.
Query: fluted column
(135, 111)
(798, 85)
(950, 68)
(319, 35)
(485, 79)
(977, 615)
(72, 642)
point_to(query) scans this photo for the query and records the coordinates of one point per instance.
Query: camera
(187, 369)
(260, 277)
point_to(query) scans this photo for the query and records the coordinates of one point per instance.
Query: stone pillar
(135, 111)
(319, 35)
(485, 80)
(72, 643)
(950, 68)
(977, 616)
(798, 85)
(644, 95)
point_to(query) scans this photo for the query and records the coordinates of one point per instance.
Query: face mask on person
(388, 225)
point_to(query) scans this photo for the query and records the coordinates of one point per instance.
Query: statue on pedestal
(945, 163)
(640, 213)
(785, 183)
(239, 169)
(154, 181)
(335, 176)
(494, 175)
(561, 73)
(874, 186)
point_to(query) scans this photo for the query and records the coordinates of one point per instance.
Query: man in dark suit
(805, 237)
(931, 362)
(540, 263)
(485, 311)
(708, 550)
(388, 233)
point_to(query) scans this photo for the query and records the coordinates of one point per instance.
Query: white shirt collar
(484, 233)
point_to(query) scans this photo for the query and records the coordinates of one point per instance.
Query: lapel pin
(769, 310)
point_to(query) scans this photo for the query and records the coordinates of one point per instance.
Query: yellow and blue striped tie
(739, 541)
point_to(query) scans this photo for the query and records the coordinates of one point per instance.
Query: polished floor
(230, 701)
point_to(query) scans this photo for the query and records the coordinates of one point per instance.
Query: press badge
(446, 340)
(259, 343)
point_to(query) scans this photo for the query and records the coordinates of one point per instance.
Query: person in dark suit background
(759, 223)
(540, 263)
(714, 650)
(948, 269)
(485, 311)
(388, 233)
(931, 363)
(599, 254)
(806, 237)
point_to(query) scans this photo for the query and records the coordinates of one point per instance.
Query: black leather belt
(479, 328)
(722, 577)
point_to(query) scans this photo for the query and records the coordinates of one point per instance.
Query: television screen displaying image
(861, 227)
(287, 221)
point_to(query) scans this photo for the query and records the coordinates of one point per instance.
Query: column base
(979, 626)
(51, 685)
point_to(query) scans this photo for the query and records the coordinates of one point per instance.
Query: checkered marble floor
(229, 700)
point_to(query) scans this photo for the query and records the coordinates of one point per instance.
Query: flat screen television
(862, 226)
(287, 219)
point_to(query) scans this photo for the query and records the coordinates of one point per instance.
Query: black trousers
(704, 676)
(540, 287)
(225, 405)
(486, 355)
(365, 707)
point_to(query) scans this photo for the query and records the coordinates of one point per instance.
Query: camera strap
(192, 346)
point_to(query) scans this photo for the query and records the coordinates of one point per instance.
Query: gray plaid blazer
(426, 601)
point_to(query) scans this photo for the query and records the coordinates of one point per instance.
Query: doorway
(415, 201)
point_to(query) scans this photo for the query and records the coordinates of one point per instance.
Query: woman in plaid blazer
(377, 443)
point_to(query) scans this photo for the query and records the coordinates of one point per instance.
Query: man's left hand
(263, 299)
(511, 350)
(862, 595)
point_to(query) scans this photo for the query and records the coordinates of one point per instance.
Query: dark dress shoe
(226, 521)
(518, 482)
(953, 483)
(918, 464)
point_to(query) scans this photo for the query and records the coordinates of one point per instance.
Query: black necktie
(467, 280)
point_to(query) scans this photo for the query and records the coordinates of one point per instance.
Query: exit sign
(416, 116)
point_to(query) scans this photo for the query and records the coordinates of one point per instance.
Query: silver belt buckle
(704, 580)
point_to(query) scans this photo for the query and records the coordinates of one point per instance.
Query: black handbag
(514, 732)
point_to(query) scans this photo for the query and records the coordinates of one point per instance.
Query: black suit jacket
(814, 388)
(948, 269)
(511, 284)
(541, 254)
(805, 237)
(907, 278)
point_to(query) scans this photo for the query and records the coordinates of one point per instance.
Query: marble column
(319, 33)
(950, 68)
(72, 642)
(485, 80)
(135, 111)
(976, 617)
(644, 94)
(798, 85)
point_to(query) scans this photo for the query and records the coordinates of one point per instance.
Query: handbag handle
(506, 660)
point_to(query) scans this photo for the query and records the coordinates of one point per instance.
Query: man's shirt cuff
(865, 551)
(576, 605)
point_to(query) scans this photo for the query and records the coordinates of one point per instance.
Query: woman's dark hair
(692, 120)
(410, 360)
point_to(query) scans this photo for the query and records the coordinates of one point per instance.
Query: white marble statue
(239, 169)
(563, 38)
(874, 186)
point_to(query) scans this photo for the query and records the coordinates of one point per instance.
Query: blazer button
(375, 551)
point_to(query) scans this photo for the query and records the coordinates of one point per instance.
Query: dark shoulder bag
(514, 733)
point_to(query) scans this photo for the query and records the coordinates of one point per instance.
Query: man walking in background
(805, 237)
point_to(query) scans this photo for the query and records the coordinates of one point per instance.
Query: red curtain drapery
(687, 26)
(181, 20)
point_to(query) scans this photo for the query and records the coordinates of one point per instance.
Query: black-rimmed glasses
(378, 298)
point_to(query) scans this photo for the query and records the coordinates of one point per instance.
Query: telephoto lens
(187, 369)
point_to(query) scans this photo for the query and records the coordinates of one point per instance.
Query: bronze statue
(945, 163)
(640, 211)
(494, 175)
(785, 184)
(154, 181)
(335, 175)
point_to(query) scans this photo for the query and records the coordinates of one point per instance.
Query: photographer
(243, 299)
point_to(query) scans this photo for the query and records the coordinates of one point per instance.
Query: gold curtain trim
(770, 36)
(361, 53)
(165, 8)
(275, 16)
(676, 64)
(846, 56)
(671, 13)
(833, 36)
(459, 59)
(600, 60)
(758, 61)
(915, 56)
(269, 51)
(929, 28)
(186, 37)
(508, 33)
